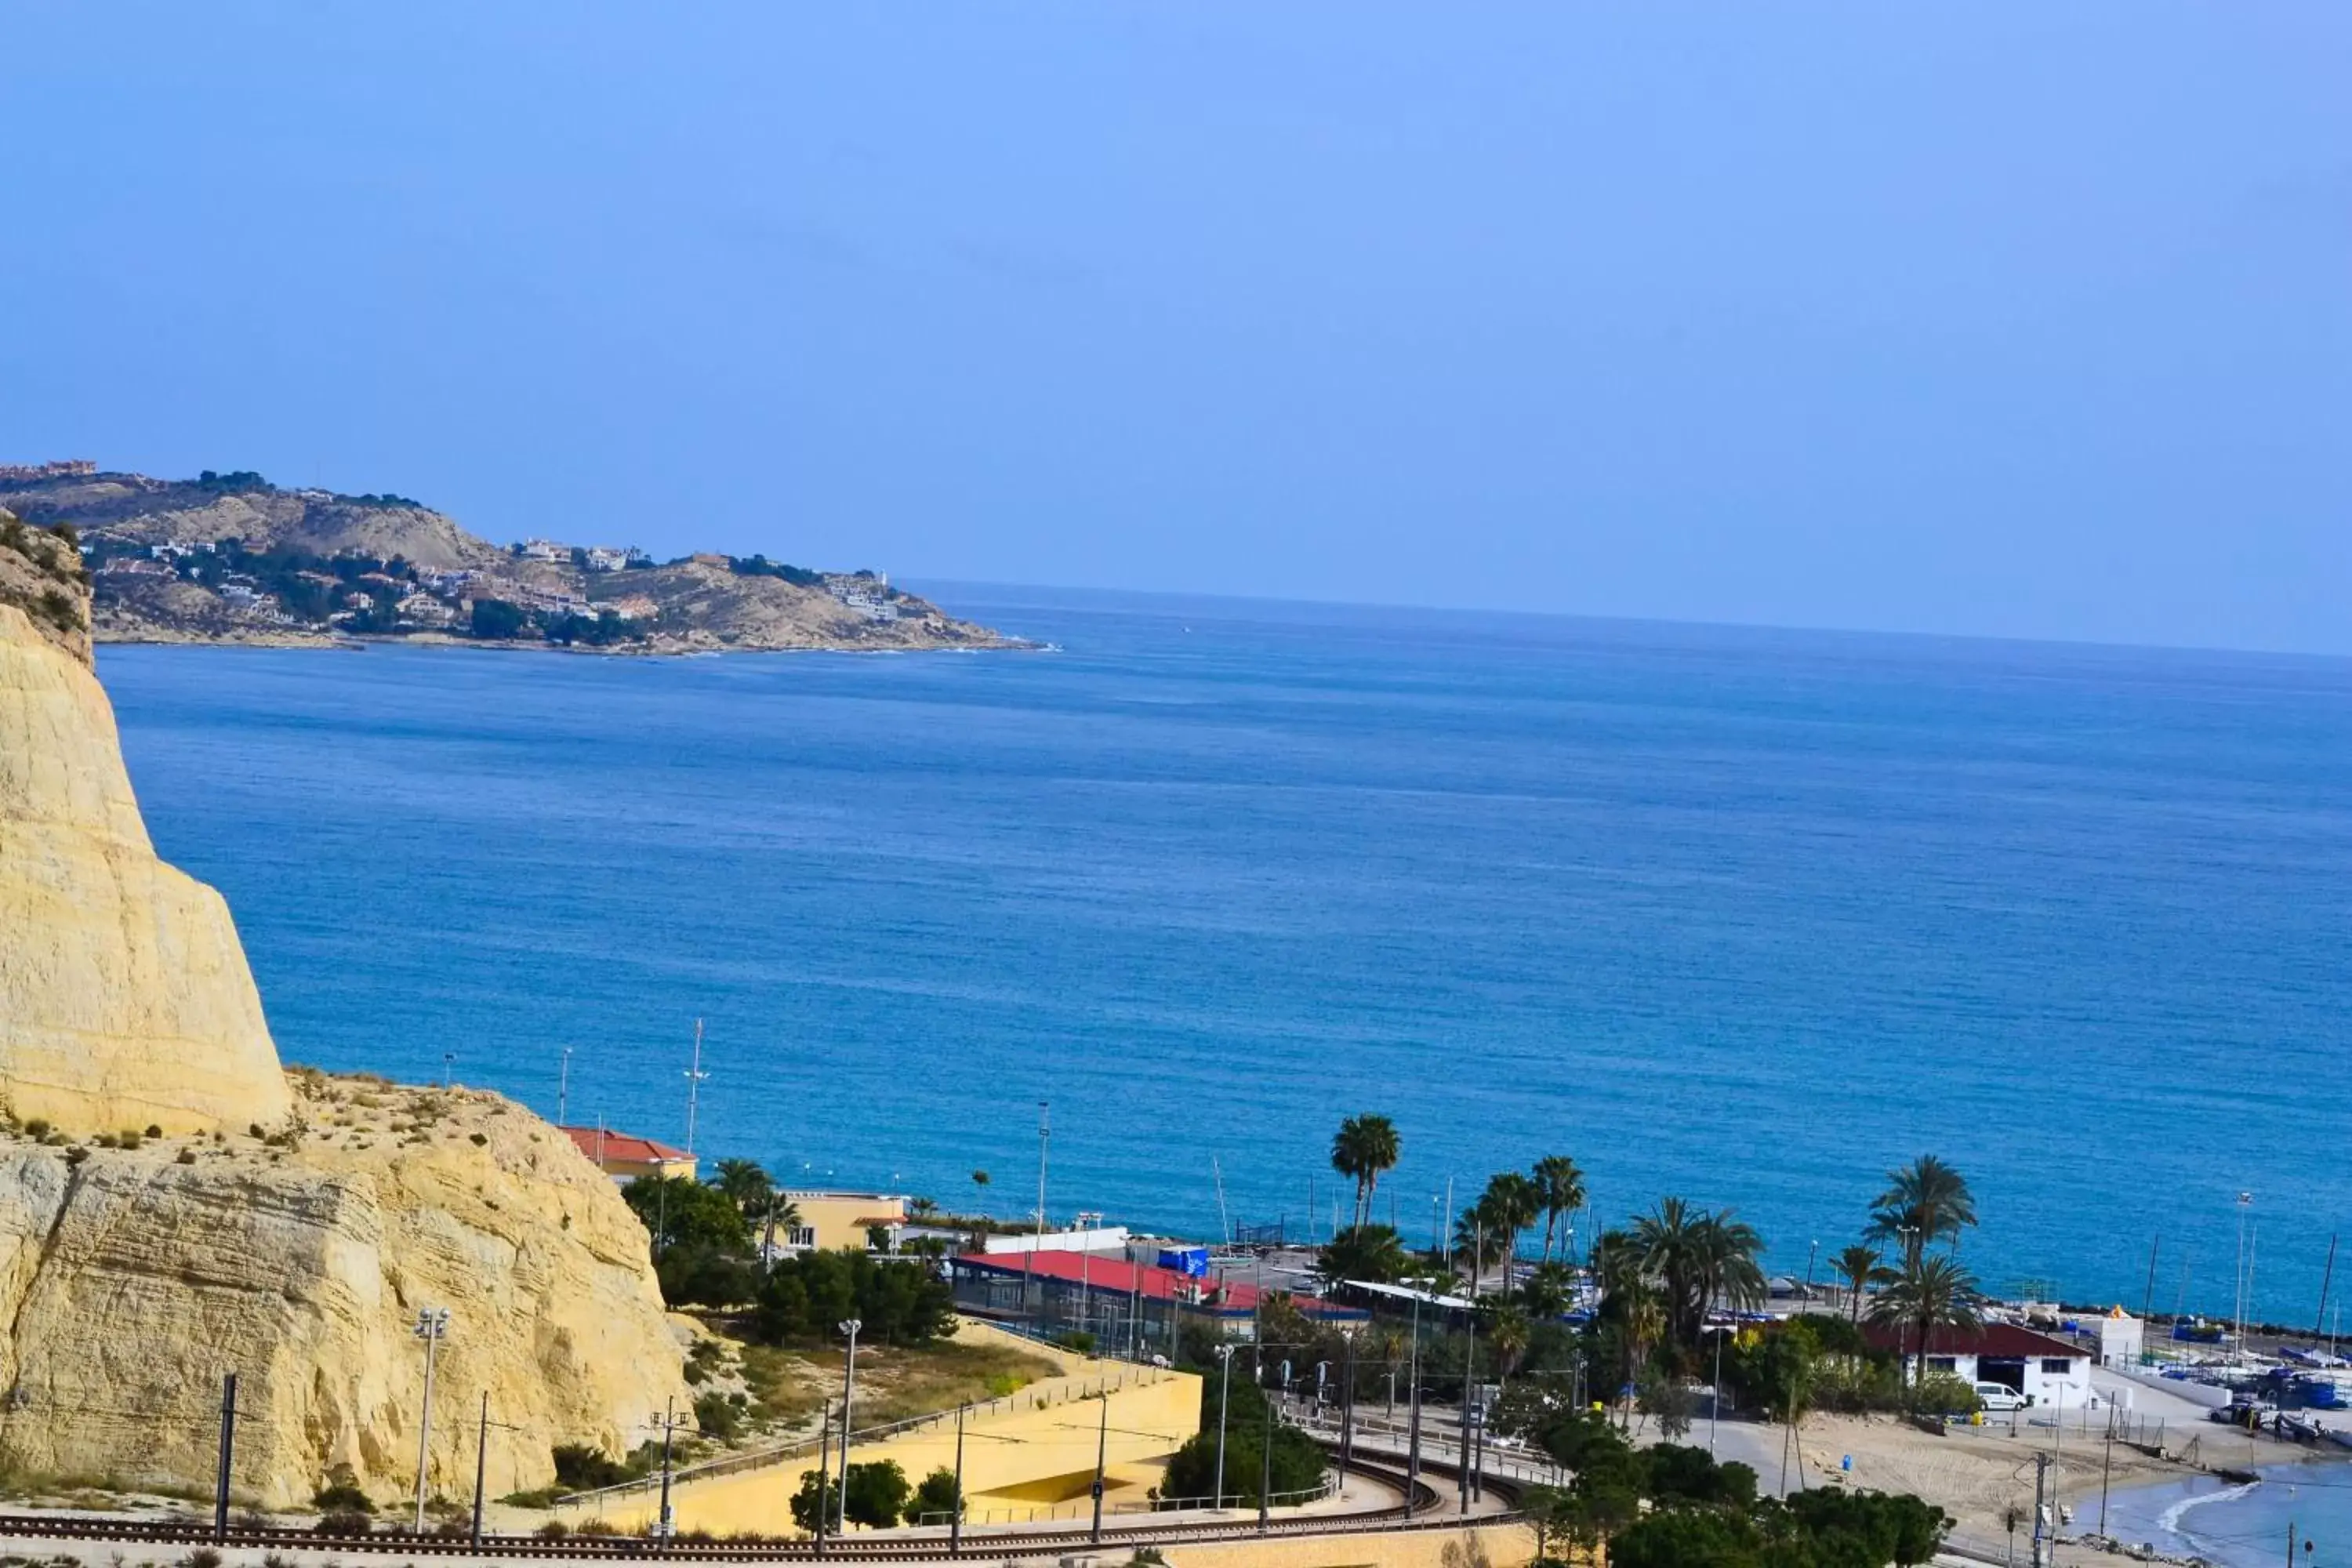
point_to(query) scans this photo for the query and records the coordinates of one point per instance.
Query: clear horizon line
(1468, 612)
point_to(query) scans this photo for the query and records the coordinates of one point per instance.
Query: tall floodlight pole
(563, 1087)
(432, 1323)
(849, 1326)
(694, 1077)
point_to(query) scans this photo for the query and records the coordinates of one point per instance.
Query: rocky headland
(234, 558)
(174, 1205)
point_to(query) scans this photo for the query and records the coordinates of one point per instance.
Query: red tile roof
(1997, 1339)
(606, 1143)
(1112, 1274)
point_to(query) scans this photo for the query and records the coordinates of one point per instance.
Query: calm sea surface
(1741, 915)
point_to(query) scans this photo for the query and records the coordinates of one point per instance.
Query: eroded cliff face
(284, 1228)
(132, 1280)
(124, 997)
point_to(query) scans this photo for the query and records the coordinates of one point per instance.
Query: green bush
(715, 1415)
(877, 1494)
(340, 1496)
(936, 1499)
(900, 1302)
(580, 1468)
(1297, 1461)
(816, 1499)
(1941, 1394)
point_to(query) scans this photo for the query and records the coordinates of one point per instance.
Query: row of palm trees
(1659, 1278)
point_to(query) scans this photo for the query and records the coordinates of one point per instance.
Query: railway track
(1429, 1512)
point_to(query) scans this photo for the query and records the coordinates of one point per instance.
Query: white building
(2046, 1370)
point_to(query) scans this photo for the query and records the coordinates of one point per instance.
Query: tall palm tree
(1695, 1256)
(980, 1190)
(1512, 1201)
(1927, 1294)
(1925, 1202)
(1559, 1186)
(780, 1213)
(743, 1180)
(1548, 1289)
(1858, 1267)
(1363, 1254)
(1478, 1237)
(1507, 1334)
(1729, 1246)
(1363, 1149)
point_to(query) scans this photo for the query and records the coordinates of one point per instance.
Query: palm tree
(1363, 1149)
(980, 1190)
(1548, 1289)
(1925, 1202)
(1560, 1187)
(743, 1180)
(1695, 1256)
(1507, 1334)
(1858, 1267)
(1511, 1201)
(1927, 1294)
(1478, 1238)
(1729, 1246)
(1372, 1254)
(780, 1213)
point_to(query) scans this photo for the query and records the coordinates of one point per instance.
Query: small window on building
(2056, 1366)
(802, 1236)
(1944, 1363)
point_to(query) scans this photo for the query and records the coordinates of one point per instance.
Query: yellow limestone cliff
(124, 997)
(286, 1228)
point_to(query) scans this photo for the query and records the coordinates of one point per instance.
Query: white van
(1999, 1397)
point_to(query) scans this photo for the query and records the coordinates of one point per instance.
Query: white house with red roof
(2046, 1369)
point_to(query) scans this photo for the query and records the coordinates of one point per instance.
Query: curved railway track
(1429, 1512)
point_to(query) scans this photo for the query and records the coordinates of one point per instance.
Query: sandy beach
(1975, 1473)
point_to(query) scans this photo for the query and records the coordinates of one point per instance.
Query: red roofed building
(2046, 1369)
(1120, 1303)
(623, 1156)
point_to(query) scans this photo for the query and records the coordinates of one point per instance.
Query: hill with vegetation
(231, 557)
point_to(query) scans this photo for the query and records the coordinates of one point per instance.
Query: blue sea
(1747, 916)
(2244, 1526)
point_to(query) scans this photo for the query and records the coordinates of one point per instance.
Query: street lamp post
(849, 1326)
(432, 1324)
(1224, 1396)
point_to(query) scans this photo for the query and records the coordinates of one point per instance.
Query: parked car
(1999, 1397)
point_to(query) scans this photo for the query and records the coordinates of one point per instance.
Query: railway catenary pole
(955, 1509)
(228, 1451)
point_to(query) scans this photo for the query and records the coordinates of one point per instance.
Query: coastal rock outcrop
(124, 997)
(174, 1205)
(133, 1280)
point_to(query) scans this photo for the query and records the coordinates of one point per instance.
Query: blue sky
(2017, 319)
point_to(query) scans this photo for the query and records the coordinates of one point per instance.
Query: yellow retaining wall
(1035, 1456)
(1506, 1546)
